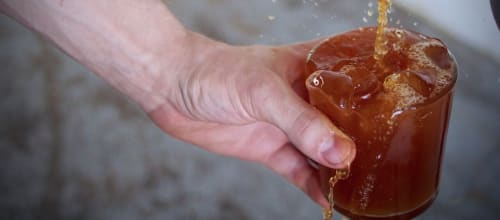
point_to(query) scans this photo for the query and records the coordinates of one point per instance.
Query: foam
(399, 32)
(417, 54)
(405, 95)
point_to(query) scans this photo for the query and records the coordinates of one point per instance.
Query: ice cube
(422, 81)
(334, 86)
(365, 82)
(439, 55)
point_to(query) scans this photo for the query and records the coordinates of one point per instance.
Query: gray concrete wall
(71, 147)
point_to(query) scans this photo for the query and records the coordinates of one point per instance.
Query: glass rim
(447, 90)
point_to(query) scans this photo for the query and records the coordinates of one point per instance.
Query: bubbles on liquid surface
(366, 191)
(439, 56)
(399, 33)
(429, 70)
(423, 69)
(399, 86)
(433, 57)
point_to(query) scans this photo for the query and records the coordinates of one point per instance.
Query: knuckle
(263, 95)
(294, 170)
(303, 121)
(297, 173)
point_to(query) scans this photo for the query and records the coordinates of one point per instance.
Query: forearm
(129, 43)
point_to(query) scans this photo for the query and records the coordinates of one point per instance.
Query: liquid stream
(339, 175)
(380, 51)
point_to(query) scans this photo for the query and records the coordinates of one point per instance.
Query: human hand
(248, 103)
(245, 102)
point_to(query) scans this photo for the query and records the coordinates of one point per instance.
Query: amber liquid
(380, 39)
(397, 114)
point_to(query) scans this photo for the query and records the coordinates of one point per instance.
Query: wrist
(129, 50)
(154, 68)
(176, 66)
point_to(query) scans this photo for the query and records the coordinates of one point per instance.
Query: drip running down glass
(340, 174)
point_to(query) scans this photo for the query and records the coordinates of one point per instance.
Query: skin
(243, 102)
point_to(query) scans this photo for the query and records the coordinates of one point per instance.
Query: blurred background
(71, 147)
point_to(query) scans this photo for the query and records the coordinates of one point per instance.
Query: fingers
(293, 166)
(307, 128)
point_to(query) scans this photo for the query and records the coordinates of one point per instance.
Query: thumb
(307, 128)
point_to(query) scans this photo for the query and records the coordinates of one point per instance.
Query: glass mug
(395, 109)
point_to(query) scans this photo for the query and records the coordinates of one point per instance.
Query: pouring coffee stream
(380, 51)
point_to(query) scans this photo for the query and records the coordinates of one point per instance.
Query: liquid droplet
(399, 33)
(369, 12)
(340, 174)
(318, 81)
